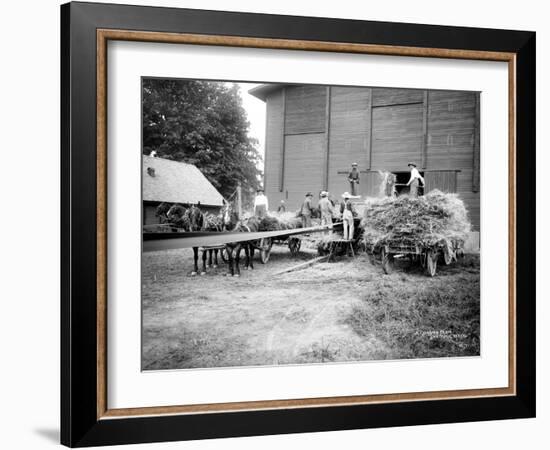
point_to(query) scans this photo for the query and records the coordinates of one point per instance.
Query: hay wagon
(428, 256)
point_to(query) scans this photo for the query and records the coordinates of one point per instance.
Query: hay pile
(433, 220)
(280, 221)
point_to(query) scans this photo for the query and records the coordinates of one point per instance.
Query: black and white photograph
(308, 224)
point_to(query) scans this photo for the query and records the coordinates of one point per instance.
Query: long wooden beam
(153, 242)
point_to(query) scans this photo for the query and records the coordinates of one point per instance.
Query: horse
(231, 222)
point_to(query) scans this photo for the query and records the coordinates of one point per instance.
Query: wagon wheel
(387, 261)
(431, 262)
(265, 249)
(294, 245)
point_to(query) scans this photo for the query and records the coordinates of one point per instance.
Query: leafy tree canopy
(201, 123)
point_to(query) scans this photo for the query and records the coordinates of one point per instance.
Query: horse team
(192, 218)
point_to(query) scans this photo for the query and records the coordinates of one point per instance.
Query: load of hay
(280, 221)
(433, 220)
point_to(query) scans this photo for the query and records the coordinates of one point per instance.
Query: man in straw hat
(346, 209)
(306, 211)
(260, 203)
(353, 178)
(414, 180)
(326, 209)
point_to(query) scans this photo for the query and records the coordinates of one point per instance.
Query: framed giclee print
(277, 224)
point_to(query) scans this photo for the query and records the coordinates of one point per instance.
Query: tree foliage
(201, 123)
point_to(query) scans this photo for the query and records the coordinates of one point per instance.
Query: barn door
(443, 180)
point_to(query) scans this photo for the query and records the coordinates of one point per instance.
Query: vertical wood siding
(451, 127)
(444, 180)
(387, 97)
(397, 136)
(439, 132)
(273, 143)
(304, 167)
(305, 109)
(349, 135)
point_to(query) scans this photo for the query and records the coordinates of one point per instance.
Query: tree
(201, 123)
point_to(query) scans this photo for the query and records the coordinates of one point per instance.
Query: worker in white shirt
(260, 203)
(414, 180)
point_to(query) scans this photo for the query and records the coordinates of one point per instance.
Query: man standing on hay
(346, 209)
(260, 204)
(414, 180)
(353, 179)
(306, 211)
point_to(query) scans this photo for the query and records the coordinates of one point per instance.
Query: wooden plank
(396, 136)
(304, 167)
(476, 161)
(349, 136)
(283, 132)
(274, 142)
(369, 128)
(387, 97)
(305, 109)
(443, 180)
(327, 139)
(425, 130)
(303, 265)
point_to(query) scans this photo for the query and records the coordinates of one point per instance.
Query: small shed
(164, 180)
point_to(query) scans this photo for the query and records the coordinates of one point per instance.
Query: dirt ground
(346, 310)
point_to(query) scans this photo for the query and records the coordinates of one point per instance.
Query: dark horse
(201, 221)
(231, 222)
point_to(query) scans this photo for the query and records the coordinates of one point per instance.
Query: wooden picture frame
(85, 417)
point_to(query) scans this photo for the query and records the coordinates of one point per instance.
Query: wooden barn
(169, 181)
(314, 134)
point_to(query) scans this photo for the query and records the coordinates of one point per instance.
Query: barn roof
(263, 90)
(176, 182)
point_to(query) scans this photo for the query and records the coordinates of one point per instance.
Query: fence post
(239, 200)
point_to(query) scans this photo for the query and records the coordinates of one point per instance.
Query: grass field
(331, 312)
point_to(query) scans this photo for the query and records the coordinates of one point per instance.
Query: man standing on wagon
(353, 178)
(306, 211)
(326, 209)
(414, 180)
(346, 209)
(260, 204)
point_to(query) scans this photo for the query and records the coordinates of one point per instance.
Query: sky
(255, 110)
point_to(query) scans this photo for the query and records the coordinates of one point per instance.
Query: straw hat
(346, 195)
(354, 165)
(309, 194)
(324, 193)
(411, 164)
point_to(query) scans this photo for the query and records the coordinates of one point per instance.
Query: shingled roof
(176, 182)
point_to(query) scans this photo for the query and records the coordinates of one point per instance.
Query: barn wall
(450, 142)
(305, 109)
(349, 135)
(273, 146)
(380, 129)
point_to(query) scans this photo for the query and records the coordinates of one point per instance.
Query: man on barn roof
(353, 178)
(415, 178)
(260, 203)
(306, 211)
